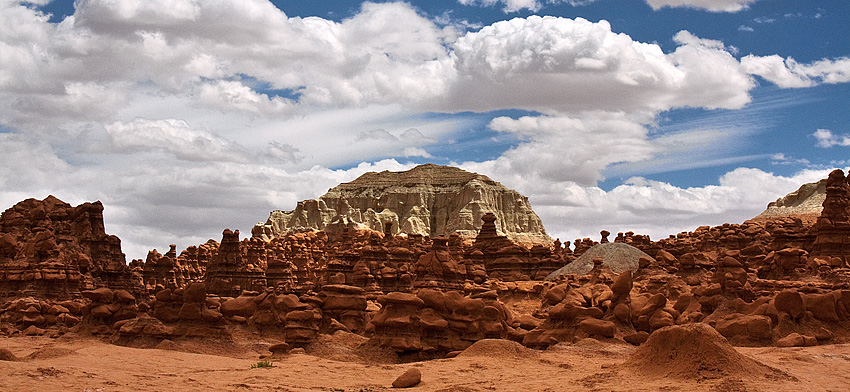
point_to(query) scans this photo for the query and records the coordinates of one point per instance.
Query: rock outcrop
(49, 249)
(159, 271)
(434, 323)
(833, 225)
(428, 200)
(805, 203)
(229, 272)
(778, 281)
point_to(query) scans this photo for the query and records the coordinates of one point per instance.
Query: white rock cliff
(428, 200)
(805, 203)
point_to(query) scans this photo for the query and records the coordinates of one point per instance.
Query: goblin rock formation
(50, 249)
(170, 270)
(379, 263)
(229, 272)
(428, 200)
(781, 281)
(433, 322)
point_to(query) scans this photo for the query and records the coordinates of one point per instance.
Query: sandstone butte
(805, 203)
(429, 200)
(360, 294)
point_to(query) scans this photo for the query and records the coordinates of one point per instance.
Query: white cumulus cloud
(552, 64)
(788, 73)
(827, 139)
(188, 116)
(175, 137)
(571, 149)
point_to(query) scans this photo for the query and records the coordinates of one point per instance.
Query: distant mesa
(806, 203)
(428, 200)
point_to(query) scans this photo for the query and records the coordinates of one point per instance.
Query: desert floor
(73, 363)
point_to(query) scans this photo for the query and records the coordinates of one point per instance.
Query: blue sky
(186, 116)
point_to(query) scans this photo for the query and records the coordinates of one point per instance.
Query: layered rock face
(49, 249)
(435, 322)
(805, 203)
(305, 260)
(427, 200)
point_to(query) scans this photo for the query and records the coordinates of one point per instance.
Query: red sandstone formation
(761, 282)
(51, 250)
(108, 307)
(30, 316)
(169, 270)
(433, 323)
(229, 272)
(833, 226)
(378, 263)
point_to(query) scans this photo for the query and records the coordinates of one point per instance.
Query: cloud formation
(552, 64)
(827, 139)
(535, 5)
(571, 149)
(191, 116)
(788, 73)
(708, 5)
(174, 137)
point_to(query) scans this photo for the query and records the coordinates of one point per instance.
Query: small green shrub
(262, 364)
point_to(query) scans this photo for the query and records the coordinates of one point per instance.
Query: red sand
(91, 365)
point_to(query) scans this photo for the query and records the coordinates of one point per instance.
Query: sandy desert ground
(86, 364)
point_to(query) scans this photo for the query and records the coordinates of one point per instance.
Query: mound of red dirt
(498, 348)
(6, 355)
(348, 347)
(694, 351)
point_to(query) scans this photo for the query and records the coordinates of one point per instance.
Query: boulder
(596, 327)
(822, 306)
(411, 377)
(790, 302)
(240, 306)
